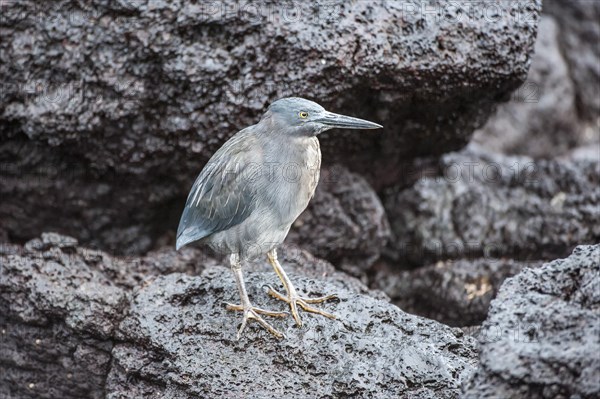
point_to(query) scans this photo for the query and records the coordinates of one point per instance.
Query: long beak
(346, 122)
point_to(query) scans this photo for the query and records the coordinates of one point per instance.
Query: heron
(248, 195)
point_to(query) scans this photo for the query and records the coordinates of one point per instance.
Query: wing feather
(222, 195)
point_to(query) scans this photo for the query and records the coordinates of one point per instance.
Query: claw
(295, 300)
(253, 313)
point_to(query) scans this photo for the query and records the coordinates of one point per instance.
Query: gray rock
(541, 337)
(181, 339)
(75, 325)
(192, 261)
(54, 239)
(57, 320)
(297, 261)
(453, 292)
(130, 272)
(345, 222)
(587, 152)
(541, 119)
(580, 34)
(491, 205)
(110, 109)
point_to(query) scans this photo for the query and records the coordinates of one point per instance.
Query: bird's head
(298, 116)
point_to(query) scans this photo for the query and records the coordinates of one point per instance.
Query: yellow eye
(303, 115)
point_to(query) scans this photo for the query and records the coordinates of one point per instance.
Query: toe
(271, 313)
(275, 294)
(231, 306)
(267, 326)
(311, 309)
(242, 327)
(320, 299)
(295, 313)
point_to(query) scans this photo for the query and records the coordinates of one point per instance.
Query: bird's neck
(302, 150)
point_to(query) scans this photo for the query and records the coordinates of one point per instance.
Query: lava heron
(254, 187)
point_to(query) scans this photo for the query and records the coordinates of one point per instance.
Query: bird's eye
(303, 115)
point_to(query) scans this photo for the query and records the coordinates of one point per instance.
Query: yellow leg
(250, 312)
(292, 298)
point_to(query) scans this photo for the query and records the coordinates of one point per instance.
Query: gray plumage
(254, 187)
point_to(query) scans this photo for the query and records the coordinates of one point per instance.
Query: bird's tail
(187, 236)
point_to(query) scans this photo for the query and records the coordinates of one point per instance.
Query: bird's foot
(295, 300)
(253, 313)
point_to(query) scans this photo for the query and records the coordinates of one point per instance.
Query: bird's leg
(292, 297)
(250, 312)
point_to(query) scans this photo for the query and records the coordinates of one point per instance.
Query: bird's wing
(223, 194)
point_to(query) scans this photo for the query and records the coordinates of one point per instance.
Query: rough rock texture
(110, 109)
(345, 222)
(182, 343)
(57, 320)
(589, 152)
(298, 261)
(541, 338)
(580, 36)
(73, 327)
(541, 118)
(130, 272)
(484, 204)
(457, 293)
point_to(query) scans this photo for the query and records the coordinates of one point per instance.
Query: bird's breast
(313, 164)
(305, 162)
(297, 176)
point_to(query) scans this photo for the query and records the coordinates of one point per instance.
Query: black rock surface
(454, 292)
(178, 335)
(541, 119)
(541, 337)
(491, 205)
(110, 109)
(578, 20)
(344, 223)
(72, 326)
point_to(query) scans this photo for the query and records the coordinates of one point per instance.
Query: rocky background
(484, 184)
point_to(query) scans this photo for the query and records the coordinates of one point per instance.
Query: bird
(248, 195)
